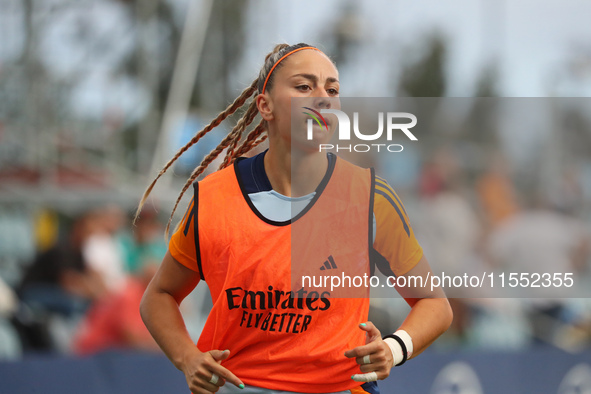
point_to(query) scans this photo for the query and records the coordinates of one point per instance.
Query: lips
(317, 114)
(316, 124)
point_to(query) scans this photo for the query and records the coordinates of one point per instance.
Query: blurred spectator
(496, 192)
(543, 241)
(448, 229)
(569, 195)
(8, 300)
(448, 226)
(115, 322)
(498, 324)
(58, 282)
(9, 341)
(575, 334)
(46, 229)
(101, 249)
(540, 240)
(144, 250)
(59, 279)
(430, 180)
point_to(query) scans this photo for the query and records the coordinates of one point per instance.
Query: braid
(204, 164)
(236, 133)
(239, 102)
(259, 141)
(250, 141)
(194, 175)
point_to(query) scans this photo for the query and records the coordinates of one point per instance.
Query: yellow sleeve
(182, 242)
(394, 239)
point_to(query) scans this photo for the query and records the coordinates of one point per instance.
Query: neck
(294, 173)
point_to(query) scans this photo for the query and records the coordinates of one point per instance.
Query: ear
(265, 106)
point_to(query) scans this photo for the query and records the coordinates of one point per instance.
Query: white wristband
(396, 349)
(407, 341)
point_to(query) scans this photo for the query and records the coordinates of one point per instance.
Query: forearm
(161, 315)
(426, 321)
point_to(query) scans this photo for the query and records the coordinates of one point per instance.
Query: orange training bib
(282, 335)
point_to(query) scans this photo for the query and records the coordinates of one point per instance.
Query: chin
(308, 146)
(320, 135)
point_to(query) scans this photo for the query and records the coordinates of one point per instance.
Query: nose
(322, 102)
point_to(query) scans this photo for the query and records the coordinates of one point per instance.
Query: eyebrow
(314, 78)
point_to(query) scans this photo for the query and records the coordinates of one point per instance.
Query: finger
(365, 377)
(200, 389)
(219, 355)
(361, 351)
(210, 387)
(206, 380)
(376, 357)
(214, 379)
(372, 332)
(365, 360)
(374, 367)
(227, 375)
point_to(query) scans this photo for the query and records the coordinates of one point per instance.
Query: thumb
(219, 355)
(371, 331)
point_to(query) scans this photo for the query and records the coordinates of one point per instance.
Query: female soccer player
(263, 335)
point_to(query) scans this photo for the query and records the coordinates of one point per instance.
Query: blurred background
(96, 95)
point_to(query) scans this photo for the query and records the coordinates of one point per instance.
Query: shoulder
(388, 205)
(384, 191)
(394, 238)
(217, 184)
(217, 176)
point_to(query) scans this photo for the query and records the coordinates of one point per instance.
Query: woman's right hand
(199, 368)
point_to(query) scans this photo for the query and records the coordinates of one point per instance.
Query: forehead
(308, 61)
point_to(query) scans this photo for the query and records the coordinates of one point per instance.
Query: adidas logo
(328, 264)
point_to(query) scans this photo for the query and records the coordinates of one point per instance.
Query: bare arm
(160, 308)
(430, 314)
(161, 315)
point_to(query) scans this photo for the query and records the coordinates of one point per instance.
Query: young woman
(263, 335)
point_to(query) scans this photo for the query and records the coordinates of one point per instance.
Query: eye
(304, 88)
(332, 91)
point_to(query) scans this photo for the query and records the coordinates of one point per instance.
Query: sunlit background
(96, 95)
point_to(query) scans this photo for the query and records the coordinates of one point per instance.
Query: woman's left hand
(374, 358)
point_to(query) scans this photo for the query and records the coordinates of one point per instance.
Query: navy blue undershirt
(253, 175)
